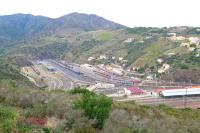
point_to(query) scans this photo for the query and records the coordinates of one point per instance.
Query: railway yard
(53, 75)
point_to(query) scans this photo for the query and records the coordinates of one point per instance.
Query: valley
(60, 75)
(81, 73)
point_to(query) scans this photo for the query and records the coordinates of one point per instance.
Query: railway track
(192, 102)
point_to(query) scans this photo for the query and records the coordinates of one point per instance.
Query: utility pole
(185, 102)
(186, 91)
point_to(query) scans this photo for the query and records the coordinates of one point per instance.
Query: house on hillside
(177, 38)
(129, 40)
(180, 38)
(103, 56)
(91, 58)
(159, 60)
(164, 68)
(185, 45)
(171, 34)
(150, 77)
(113, 57)
(194, 40)
(121, 58)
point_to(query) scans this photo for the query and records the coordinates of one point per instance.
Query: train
(112, 78)
(71, 68)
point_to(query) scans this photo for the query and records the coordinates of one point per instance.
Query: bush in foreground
(96, 107)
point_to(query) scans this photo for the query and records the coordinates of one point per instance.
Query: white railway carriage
(180, 92)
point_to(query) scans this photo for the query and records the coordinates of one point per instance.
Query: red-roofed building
(135, 90)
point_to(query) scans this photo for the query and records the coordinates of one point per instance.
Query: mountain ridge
(20, 26)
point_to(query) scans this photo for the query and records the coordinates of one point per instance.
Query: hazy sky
(132, 13)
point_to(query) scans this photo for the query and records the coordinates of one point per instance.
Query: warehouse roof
(180, 92)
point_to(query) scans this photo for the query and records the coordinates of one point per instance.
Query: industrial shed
(50, 68)
(180, 92)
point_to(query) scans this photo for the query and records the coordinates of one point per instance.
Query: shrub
(8, 120)
(79, 90)
(95, 106)
(24, 127)
(184, 66)
(85, 129)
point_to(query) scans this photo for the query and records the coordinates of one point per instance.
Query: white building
(127, 92)
(180, 38)
(91, 58)
(185, 45)
(141, 41)
(87, 66)
(171, 54)
(113, 57)
(171, 34)
(159, 60)
(103, 56)
(121, 58)
(117, 71)
(100, 85)
(129, 40)
(177, 38)
(149, 77)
